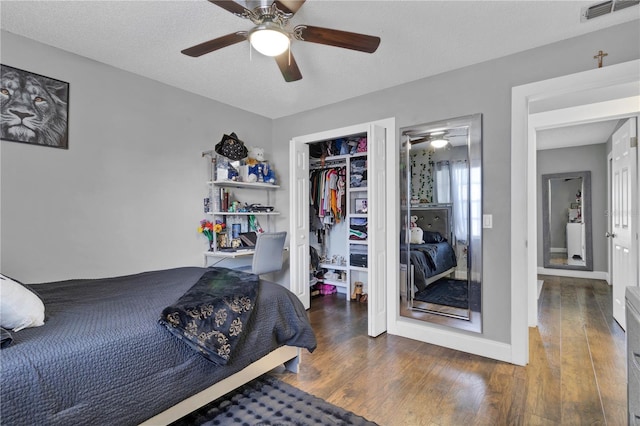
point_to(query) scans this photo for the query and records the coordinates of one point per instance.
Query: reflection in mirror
(440, 232)
(566, 221)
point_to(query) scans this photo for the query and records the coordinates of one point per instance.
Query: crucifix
(599, 57)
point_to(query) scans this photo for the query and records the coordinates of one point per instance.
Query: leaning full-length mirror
(441, 222)
(566, 221)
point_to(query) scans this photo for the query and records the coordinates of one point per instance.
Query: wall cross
(599, 57)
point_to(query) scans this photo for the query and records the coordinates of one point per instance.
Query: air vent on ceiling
(623, 4)
(605, 8)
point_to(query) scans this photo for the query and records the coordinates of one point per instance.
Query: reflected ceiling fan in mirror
(271, 37)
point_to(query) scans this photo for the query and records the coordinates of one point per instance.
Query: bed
(434, 257)
(102, 357)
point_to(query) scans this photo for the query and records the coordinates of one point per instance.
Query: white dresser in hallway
(633, 353)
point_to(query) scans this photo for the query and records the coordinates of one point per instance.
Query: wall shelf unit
(229, 208)
(250, 185)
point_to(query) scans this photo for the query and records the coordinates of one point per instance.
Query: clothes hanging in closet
(327, 193)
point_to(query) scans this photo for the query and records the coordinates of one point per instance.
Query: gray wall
(127, 194)
(483, 88)
(594, 159)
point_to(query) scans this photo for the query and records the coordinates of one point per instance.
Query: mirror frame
(586, 215)
(474, 254)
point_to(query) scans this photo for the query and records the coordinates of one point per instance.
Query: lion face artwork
(34, 108)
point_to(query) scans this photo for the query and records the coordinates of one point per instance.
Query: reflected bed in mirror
(566, 221)
(440, 231)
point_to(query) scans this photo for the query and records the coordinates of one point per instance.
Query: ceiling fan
(271, 37)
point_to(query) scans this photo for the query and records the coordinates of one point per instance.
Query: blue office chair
(268, 255)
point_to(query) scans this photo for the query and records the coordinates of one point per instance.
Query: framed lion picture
(35, 108)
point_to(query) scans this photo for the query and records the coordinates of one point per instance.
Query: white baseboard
(558, 250)
(594, 275)
(462, 342)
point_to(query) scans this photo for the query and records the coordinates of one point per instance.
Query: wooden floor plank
(576, 373)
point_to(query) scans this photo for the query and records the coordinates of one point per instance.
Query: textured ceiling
(419, 39)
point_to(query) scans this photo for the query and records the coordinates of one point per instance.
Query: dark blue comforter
(429, 260)
(102, 358)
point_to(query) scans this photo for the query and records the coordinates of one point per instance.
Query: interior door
(624, 216)
(299, 243)
(377, 251)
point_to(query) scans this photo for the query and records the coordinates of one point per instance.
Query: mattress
(103, 358)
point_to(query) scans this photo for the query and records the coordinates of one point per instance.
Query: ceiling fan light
(269, 40)
(439, 143)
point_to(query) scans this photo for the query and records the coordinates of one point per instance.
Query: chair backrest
(268, 252)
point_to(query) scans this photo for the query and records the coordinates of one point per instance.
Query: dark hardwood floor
(576, 373)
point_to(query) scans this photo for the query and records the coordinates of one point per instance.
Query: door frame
(377, 312)
(524, 182)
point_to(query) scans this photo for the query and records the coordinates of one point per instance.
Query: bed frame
(287, 355)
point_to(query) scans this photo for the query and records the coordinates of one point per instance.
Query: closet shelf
(333, 266)
(338, 157)
(337, 283)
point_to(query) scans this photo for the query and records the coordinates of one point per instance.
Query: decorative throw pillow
(19, 307)
(431, 237)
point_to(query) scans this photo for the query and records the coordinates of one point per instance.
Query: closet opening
(338, 218)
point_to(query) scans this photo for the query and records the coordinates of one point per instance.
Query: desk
(224, 255)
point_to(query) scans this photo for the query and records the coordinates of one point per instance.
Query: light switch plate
(487, 221)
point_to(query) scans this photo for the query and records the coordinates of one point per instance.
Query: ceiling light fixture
(269, 39)
(439, 143)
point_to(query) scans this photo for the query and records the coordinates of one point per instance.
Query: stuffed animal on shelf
(256, 156)
(268, 175)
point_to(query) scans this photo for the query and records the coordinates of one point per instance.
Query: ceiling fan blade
(289, 6)
(288, 67)
(215, 44)
(231, 6)
(344, 39)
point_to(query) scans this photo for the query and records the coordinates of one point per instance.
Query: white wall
(127, 194)
(483, 88)
(581, 158)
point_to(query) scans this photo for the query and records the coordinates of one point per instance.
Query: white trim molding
(524, 269)
(572, 273)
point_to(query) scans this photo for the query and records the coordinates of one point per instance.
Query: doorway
(378, 135)
(601, 83)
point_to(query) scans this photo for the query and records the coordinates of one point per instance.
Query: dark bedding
(213, 314)
(103, 358)
(429, 260)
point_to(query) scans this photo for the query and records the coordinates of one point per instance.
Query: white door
(624, 217)
(299, 212)
(377, 218)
